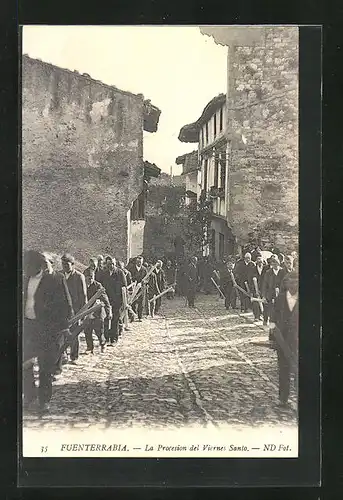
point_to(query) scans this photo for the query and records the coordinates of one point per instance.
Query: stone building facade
(210, 133)
(192, 176)
(82, 162)
(165, 216)
(261, 133)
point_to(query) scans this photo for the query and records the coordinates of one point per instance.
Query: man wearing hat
(191, 281)
(96, 322)
(47, 308)
(78, 291)
(243, 271)
(92, 266)
(258, 273)
(100, 267)
(226, 284)
(113, 280)
(286, 317)
(271, 287)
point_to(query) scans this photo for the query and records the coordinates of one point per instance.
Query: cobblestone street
(185, 367)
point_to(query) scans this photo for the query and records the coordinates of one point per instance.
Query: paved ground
(188, 366)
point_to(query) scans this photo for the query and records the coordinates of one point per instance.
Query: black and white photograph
(160, 239)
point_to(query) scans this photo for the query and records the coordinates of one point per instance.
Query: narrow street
(185, 367)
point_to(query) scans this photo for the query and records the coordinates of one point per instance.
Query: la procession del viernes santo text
(164, 448)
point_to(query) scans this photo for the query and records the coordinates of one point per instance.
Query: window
(206, 132)
(216, 171)
(202, 137)
(221, 246)
(205, 174)
(222, 170)
(221, 119)
(215, 124)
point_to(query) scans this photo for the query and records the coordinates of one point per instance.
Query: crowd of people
(53, 297)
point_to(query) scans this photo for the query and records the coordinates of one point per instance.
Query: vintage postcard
(160, 241)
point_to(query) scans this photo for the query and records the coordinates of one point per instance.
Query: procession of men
(108, 297)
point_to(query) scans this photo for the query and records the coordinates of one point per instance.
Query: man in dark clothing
(47, 309)
(181, 279)
(161, 283)
(96, 322)
(99, 268)
(170, 275)
(131, 264)
(128, 277)
(207, 274)
(152, 290)
(191, 281)
(286, 317)
(226, 285)
(113, 280)
(92, 266)
(138, 273)
(255, 253)
(127, 273)
(258, 273)
(78, 292)
(271, 287)
(243, 271)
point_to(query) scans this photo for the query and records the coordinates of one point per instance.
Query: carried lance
(215, 272)
(155, 297)
(139, 285)
(126, 307)
(133, 284)
(234, 282)
(257, 293)
(88, 304)
(218, 288)
(81, 315)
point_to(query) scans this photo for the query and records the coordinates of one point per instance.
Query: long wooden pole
(155, 297)
(70, 339)
(81, 315)
(125, 306)
(237, 286)
(131, 284)
(219, 290)
(91, 301)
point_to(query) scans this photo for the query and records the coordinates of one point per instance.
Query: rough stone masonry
(262, 101)
(82, 161)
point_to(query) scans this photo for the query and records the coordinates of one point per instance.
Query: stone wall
(82, 161)
(262, 124)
